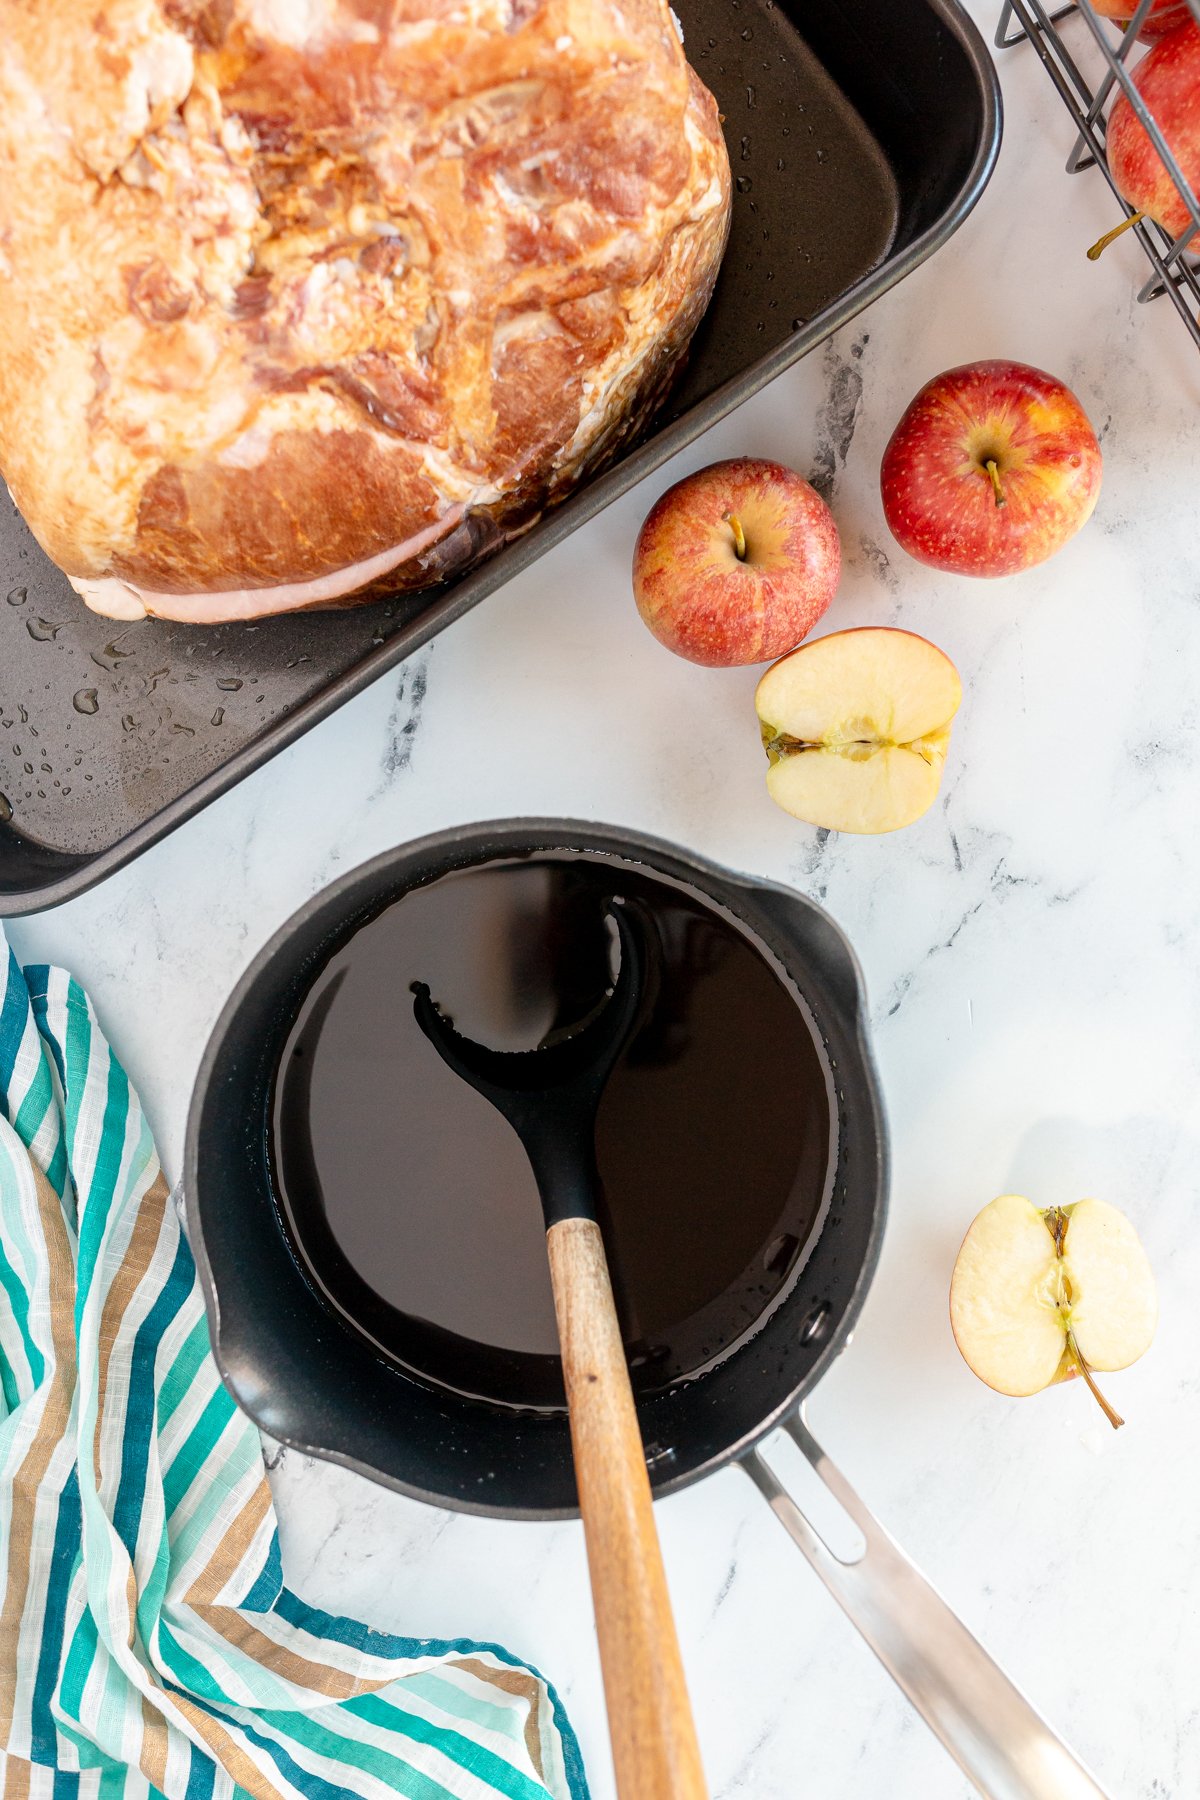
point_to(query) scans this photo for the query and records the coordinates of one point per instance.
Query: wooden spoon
(550, 1096)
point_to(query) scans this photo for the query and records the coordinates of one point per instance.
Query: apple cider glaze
(409, 1201)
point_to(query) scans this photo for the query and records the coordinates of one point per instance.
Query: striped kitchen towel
(148, 1645)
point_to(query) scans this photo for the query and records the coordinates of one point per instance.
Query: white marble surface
(1031, 950)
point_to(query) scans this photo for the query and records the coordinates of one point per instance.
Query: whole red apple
(1168, 79)
(1164, 16)
(992, 468)
(736, 563)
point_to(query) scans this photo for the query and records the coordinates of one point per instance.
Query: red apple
(1164, 16)
(736, 563)
(992, 468)
(1168, 79)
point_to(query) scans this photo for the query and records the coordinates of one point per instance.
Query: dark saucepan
(315, 1364)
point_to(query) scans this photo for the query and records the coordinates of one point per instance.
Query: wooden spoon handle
(649, 1716)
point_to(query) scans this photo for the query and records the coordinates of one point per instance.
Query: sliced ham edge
(117, 599)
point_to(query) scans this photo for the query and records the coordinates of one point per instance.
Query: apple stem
(992, 469)
(739, 536)
(1101, 244)
(1110, 1412)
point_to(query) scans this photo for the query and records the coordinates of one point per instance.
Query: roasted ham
(305, 300)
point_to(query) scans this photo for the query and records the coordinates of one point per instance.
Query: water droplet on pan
(42, 631)
(17, 596)
(218, 717)
(229, 684)
(5, 809)
(86, 701)
(111, 655)
(744, 184)
(745, 149)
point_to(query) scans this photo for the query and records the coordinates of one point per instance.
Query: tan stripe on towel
(238, 1631)
(51, 1429)
(525, 1687)
(16, 1778)
(228, 1552)
(138, 1254)
(152, 1760)
(226, 1751)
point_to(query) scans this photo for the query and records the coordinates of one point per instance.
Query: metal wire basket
(1176, 272)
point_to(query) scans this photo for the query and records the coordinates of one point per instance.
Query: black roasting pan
(861, 133)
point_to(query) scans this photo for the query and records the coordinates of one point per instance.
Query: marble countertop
(1032, 952)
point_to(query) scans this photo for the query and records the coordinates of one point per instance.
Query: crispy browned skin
(284, 283)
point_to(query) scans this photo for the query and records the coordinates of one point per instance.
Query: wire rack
(1176, 271)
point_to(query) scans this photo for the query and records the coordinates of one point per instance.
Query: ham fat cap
(305, 299)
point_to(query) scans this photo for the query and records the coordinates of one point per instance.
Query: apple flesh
(736, 563)
(1038, 1297)
(856, 726)
(992, 468)
(1168, 79)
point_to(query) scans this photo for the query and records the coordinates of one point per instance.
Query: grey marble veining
(1031, 949)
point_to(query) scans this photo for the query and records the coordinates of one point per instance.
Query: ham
(306, 300)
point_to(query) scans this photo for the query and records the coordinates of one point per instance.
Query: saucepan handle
(994, 1734)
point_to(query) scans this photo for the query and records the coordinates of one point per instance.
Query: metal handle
(1005, 1748)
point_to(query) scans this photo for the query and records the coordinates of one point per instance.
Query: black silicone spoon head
(550, 1094)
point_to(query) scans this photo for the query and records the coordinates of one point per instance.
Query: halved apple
(856, 726)
(1038, 1297)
